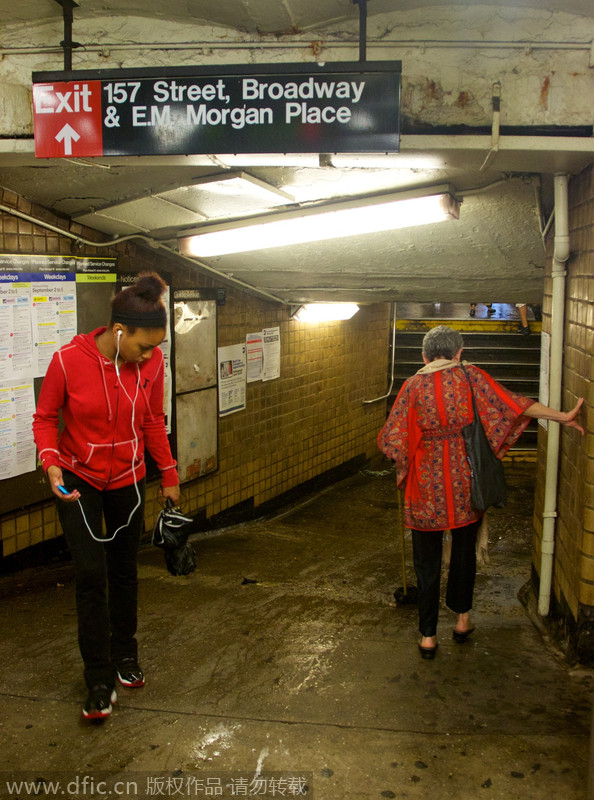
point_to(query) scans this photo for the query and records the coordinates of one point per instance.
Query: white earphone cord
(134, 452)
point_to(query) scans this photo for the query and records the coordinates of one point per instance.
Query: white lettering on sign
(253, 89)
(171, 91)
(43, 94)
(158, 116)
(72, 102)
(316, 115)
(238, 117)
(122, 91)
(67, 135)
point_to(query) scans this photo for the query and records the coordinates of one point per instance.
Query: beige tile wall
(310, 420)
(573, 577)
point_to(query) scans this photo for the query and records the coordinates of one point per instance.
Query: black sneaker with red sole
(129, 673)
(99, 703)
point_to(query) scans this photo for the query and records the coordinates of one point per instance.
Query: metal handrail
(385, 396)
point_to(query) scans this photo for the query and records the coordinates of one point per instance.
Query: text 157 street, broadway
(327, 111)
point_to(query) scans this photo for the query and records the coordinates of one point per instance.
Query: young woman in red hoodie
(108, 387)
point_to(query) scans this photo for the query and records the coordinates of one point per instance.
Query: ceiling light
(330, 221)
(325, 312)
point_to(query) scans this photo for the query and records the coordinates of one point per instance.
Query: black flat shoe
(428, 652)
(462, 636)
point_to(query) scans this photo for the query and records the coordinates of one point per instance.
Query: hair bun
(149, 286)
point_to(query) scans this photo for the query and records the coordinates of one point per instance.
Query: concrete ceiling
(255, 16)
(494, 252)
(495, 244)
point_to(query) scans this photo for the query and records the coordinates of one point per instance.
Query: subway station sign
(282, 108)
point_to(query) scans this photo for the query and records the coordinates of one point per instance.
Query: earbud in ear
(119, 334)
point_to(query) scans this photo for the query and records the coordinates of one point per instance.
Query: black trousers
(106, 573)
(427, 550)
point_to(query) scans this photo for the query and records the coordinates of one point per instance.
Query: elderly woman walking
(423, 435)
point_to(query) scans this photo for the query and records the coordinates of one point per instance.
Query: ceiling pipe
(495, 124)
(67, 44)
(559, 273)
(96, 47)
(362, 29)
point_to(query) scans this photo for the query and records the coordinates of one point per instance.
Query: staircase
(510, 358)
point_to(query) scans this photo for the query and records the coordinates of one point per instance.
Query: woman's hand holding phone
(57, 484)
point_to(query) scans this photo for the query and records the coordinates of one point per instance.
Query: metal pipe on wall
(559, 273)
(387, 394)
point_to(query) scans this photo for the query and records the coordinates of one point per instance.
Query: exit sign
(282, 108)
(68, 119)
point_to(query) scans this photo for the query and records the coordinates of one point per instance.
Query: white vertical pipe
(560, 256)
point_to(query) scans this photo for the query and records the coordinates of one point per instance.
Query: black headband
(141, 319)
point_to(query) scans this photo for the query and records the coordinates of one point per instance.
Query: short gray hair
(442, 342)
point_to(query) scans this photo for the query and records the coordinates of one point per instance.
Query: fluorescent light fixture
(325, 312)
(329, 221)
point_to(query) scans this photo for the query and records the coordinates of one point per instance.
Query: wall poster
(272, 353)
(232, 378)
(255, 356)
(44, 302)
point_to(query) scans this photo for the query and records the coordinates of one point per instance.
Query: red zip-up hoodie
(107, 420)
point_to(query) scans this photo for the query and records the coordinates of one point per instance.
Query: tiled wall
(573, 576)
(310, 420)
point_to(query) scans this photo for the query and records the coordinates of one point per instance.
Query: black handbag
(487, 486)
(171, 535)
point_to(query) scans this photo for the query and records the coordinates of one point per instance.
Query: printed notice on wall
(53, 317)
(38, 315)
(232, 378)
(16, 342)
(271, 348)
(17, 448)
(255, 356)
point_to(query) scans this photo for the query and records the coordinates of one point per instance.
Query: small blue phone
(63, 489)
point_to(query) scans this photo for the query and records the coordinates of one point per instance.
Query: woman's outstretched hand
(571, 417)
(567, 418)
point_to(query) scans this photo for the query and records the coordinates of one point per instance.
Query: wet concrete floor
(285, 654)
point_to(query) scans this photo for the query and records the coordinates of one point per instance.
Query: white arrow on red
(68, 135)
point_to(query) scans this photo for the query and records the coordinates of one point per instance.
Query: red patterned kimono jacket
(423, 436)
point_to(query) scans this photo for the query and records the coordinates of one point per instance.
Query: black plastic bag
(487, 476)
(171, 533)
(181, 560)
